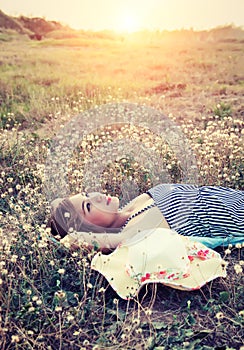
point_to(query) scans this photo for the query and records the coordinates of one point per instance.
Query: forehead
(77, 200)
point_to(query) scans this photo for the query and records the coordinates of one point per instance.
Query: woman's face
(96, 208)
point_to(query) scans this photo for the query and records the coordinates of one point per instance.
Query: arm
(103, 241)
(151, 218)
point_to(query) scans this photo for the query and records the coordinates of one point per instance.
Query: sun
(128, 23)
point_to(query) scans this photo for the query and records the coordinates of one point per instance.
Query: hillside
(8, 22)
(34, 27)
(39, 25)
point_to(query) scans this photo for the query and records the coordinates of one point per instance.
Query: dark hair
(64, 219)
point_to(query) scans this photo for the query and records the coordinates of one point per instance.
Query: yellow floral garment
(159, 256)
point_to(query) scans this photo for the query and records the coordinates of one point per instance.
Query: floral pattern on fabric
(194, 250)
(198, 250)
(162, 275)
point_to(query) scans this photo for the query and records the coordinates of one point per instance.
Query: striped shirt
(206, 211)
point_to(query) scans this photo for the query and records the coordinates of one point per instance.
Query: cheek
(103, 218)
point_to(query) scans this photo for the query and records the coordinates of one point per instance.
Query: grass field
(49, 296)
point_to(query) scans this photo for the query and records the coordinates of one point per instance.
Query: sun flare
(128, 23)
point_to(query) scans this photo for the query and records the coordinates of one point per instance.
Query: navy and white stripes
(206, 211)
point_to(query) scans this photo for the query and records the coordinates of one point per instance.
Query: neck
(121, 218)
(131, 208)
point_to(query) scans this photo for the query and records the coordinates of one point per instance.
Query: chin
(115, 202)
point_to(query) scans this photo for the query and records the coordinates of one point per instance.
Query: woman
(148, 235)
(211, 215)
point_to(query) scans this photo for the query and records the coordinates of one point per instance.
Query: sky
(132, 15)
